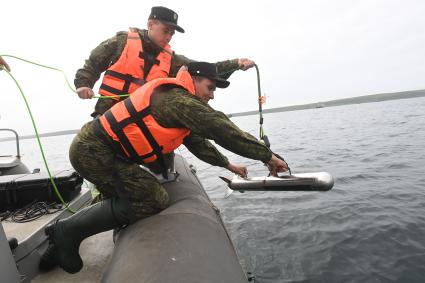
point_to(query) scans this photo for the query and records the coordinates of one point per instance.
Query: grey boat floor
(23, 231)
(95, 252)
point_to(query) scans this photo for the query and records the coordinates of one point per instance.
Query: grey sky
(307, 51)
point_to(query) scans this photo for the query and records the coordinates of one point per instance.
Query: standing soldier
(132, 58)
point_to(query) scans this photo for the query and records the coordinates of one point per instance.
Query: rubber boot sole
(49, 260)
(67, 258)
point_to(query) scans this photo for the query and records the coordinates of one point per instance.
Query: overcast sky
(307, 51)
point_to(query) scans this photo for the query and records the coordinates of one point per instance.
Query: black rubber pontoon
(186, 242)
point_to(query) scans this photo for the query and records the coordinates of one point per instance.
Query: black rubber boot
(66, 235)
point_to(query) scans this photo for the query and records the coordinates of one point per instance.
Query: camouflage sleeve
(100, 59)
(176, 62)
(103, 105)
(218, 127)
(205, 150)
(182, 110)
(224, 68)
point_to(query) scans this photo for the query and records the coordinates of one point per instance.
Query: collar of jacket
(148, 45)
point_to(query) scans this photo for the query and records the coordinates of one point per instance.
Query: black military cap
(165, 15)
(207, 70)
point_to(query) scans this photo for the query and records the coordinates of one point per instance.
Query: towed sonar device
(318, 181)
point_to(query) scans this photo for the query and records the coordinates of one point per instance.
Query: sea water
(369, 228)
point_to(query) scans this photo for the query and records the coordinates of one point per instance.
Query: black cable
(33, 211)
(5, 215)
(260, 111)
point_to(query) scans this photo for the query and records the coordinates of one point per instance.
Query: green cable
(66, 78)
(44, 66)
(33, 122)
(39, 144)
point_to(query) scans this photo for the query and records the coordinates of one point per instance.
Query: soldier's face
(160, 33)
(204, 89)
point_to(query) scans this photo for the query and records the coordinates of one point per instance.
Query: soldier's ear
(152, 22)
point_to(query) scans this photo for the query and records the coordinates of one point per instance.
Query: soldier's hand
(276, 165)
(85, 92)
(237, 169)
(245, 64)
(4, 64)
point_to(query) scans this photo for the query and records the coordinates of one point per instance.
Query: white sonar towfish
(319, 181)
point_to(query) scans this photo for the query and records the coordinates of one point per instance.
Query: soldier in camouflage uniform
(154, 39)
(132, 192)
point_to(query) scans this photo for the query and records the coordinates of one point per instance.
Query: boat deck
(24, 231)
(95, 252)
(186, 242)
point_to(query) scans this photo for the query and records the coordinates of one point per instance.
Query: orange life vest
(130, 124)
(127, 74)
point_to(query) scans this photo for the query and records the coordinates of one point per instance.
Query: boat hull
(186, 242)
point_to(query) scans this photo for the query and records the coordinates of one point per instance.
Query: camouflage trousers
(97, 162)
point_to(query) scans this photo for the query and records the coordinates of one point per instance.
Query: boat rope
(261, 101)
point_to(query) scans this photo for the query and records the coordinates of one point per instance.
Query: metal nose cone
(225, 180)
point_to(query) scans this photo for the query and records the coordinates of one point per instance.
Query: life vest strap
(112, 89)
(149, 57)
(125, 77)
(125, 142)
(116, 146)
(137, 117)
(129, 120)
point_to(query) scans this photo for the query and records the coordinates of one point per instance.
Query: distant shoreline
(50, 134)
(331, 103)
(339, 102)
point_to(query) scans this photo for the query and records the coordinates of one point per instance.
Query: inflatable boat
(187, 242)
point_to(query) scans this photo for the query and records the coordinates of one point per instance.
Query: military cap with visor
(166, 16)
(207, 70)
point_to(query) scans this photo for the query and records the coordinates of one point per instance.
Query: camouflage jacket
(176, 108)
(109, 51)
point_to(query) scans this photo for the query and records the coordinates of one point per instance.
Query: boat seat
(8, 161)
